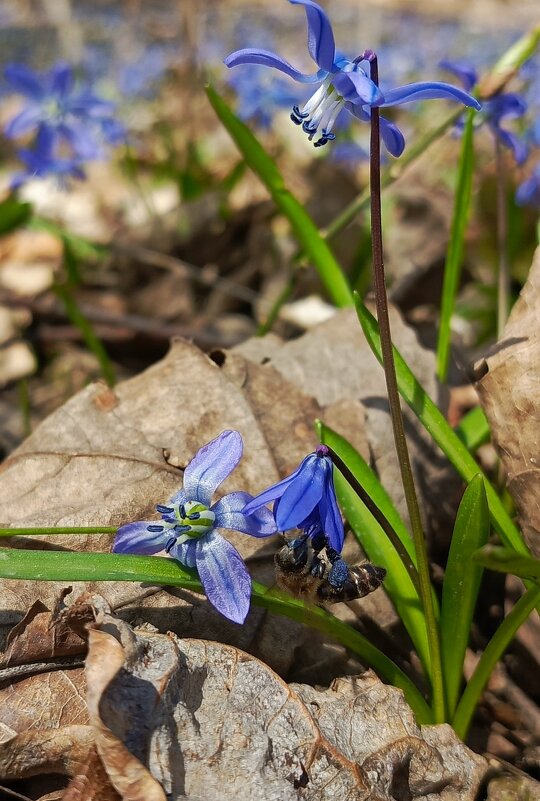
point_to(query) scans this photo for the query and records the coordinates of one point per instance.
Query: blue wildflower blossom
(69, 118)
(306, 499)
(45, 160)
(495, 110)
(344, 83)
(187, 529)
(528, 192)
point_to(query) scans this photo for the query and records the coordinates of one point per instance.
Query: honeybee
(313, 570)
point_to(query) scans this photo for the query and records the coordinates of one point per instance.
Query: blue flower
(187, 529)
(258, 97)
(344, 83)
(528, 192)
(306, 499)
(44, 160)
(68, 118)
(496, 109)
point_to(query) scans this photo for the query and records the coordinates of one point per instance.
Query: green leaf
(13, 214)
(374, 541)
(494, 651)
(506, 560)
(473, 429)
(441, 432)
(454, 256)
(461, 584)
(69, 566)
(304, 228)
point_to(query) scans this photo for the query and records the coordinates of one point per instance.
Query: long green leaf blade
(454, 256)
(473, 430)
(441, 432)
(13, 214)
(494, 651)
(303, 226)
(461, 584)
(374, 541)
(506, 560)
(70, 566)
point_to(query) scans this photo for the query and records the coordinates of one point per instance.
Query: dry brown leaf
(91, 783)
(509, 393)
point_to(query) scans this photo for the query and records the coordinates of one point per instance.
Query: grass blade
(461, 584)
(64, 294)
(505, 560)
(305, 230)
(473, 429)
(454, 256)
(494, 651)
(379, 549)
(13, 215)
(69, 567)
(441, 432)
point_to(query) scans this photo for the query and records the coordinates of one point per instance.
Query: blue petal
(24, 122)
(82, 141)
(528, 193)
(332, 523)
(275, 491)
(303, 494)
(509, 105)
(253, 55)
(464, 71)
(428, 90)
(359, 112)
(135, 538)
(321, 45)
(229, 514)
(211, 465)
(24, 81)
(357, 88)
(514, 143)
(61, 79)
(224, 576)
(392, 137)
(186, 552)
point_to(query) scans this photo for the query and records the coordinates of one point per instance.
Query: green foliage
(13, 215)
(305, 230)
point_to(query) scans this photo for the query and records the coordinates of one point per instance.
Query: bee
(313, 570)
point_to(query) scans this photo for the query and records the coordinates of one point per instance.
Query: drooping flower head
(343, 83)
(306, 499)
(70, 122)
(187, 528)
(495, 110)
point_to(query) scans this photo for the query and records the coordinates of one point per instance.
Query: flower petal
(61, 79)
(303, 494)
(24, 122)
(229, 514)
(392, 137)
(464, 71)
(211, 465)
(513, 142)
(135, 538)
(428, 90)
(275, 491)
(357, 88)
(224, 576)
(332, 523)
(24, 81)
(253, 55)
(508, 105)
(321, 45)
(186, 552)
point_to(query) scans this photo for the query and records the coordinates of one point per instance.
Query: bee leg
(318, 568)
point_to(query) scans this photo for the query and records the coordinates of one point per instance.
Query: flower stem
(378, 515)
(503, 293)
(413, 507)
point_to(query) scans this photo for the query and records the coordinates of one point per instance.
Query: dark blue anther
(310, 129)
(295, 119)
(155, 529)
(194, 516)
(338, 573)
(164, 510)
(320, 142)
(170, 542)
(182, 510)
(302, 115)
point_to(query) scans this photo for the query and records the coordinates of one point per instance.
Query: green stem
(494, 651)
(379, 282)
(53, 530)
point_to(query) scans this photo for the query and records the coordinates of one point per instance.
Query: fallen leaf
(509, 395)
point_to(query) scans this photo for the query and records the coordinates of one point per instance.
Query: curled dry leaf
(209, 721)
(510, 397)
